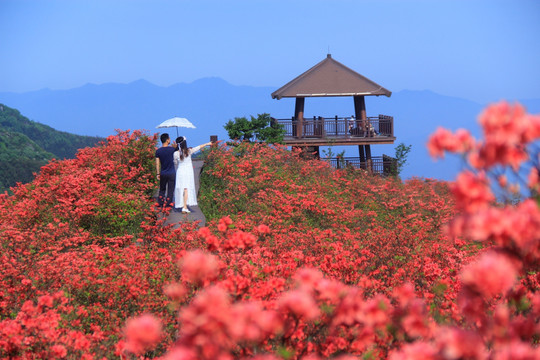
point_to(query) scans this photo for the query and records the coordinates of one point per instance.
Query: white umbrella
(176, 122)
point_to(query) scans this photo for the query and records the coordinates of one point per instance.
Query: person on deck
(184, 192)
(165, 171)
(351, 124)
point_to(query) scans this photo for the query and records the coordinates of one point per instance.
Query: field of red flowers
(298, 260)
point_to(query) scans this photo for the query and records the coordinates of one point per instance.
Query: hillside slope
(20, 158)
(60, 143)
(27, 145)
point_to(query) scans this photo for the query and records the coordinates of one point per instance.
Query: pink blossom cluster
(142, 333)
(507, 271)
(507, 130)
(444, 140)
(36, 332)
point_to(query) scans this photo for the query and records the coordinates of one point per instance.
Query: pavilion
(330, 78)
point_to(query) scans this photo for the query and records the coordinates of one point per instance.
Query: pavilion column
(368, 151)
(299, 116)
(362, 156)
(360, 108)
(362, 122)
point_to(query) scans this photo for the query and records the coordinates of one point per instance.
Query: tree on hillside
(402, 151)
(263, 128)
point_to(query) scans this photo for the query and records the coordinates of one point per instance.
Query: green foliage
(402, 151)
(268, 130)
(25, 146)
(328, 153)
(20, 158)
(115, 218)
(263, 128)
(239, 129)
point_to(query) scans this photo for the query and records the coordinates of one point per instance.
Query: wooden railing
(319, 127)
(383, 165)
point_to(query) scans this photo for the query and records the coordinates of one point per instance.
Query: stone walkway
(176, 218)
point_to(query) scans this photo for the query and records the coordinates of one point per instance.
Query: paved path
(176, 218)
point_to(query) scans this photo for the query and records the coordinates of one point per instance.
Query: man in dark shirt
(165, 171)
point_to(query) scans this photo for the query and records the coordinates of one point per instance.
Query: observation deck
(321, 131)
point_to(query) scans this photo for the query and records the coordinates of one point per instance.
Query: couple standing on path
(175, 173)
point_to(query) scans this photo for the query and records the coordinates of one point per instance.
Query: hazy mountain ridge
(210, 102)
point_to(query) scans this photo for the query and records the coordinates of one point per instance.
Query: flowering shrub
(71, 241)
(297, 261)
(257, 289)
(352, 303)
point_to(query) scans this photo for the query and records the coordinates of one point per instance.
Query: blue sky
(483, 50)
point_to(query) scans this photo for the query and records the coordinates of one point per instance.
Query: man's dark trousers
(166, 183)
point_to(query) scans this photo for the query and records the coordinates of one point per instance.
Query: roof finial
(328, 53)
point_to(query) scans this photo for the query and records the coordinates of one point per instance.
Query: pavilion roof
(330, 78)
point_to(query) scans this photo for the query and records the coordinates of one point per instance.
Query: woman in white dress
(185, 180)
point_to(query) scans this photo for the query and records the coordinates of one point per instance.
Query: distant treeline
(25, 146)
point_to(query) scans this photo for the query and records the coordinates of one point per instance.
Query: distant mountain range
(27, 145)
(98, 110)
